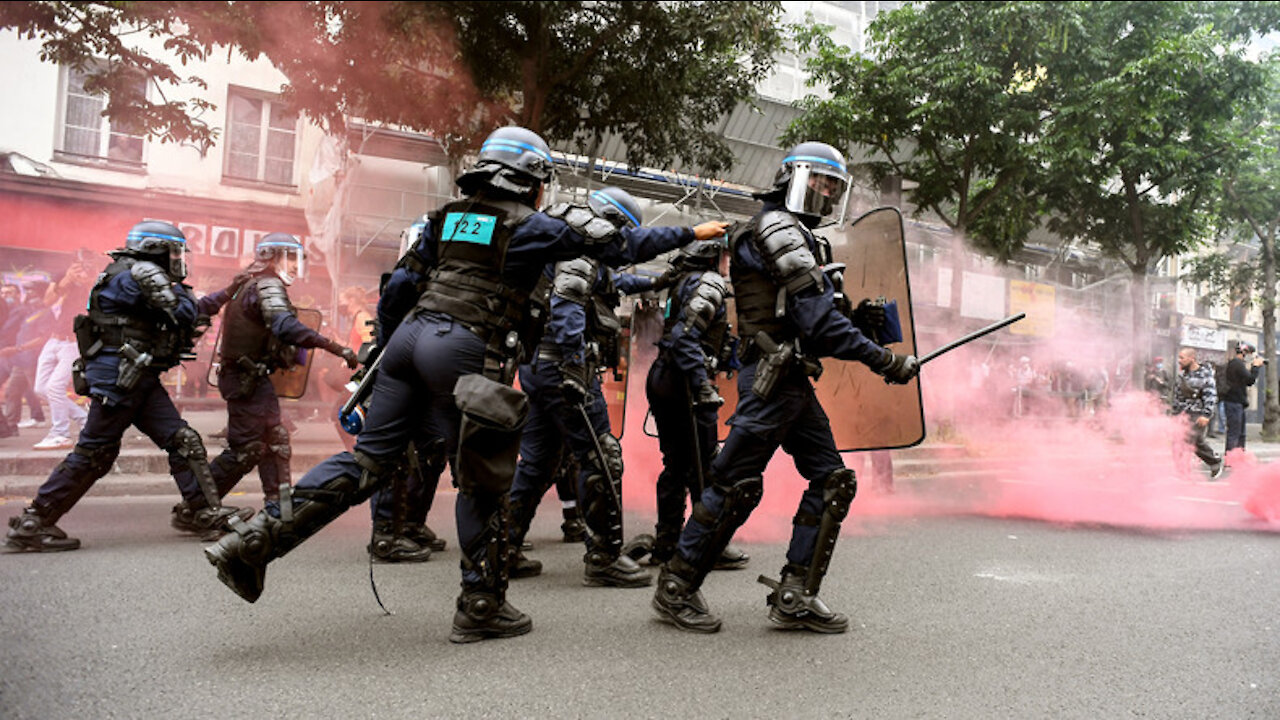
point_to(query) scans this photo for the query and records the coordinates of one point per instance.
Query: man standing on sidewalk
(1196, 396)
(1240, 374)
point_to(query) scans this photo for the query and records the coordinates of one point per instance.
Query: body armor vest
(152, 334)
(756, 296)
(603, 324)
(469, 281)
(245, 335)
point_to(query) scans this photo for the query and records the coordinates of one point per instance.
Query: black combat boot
(621, 571)
(30, 532)
(519, 566)
(241, 556)
(574, 530)
(485, 615)
(731, 559)
(791, 608)
(424, 536)
(208, 524)
(386, 547)
(680, 602)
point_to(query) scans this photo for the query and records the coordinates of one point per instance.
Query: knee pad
(277, 441)
(100, 458)
(740, 498)
(187, 442)
(245, 457)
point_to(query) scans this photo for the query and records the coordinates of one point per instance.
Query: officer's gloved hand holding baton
(898, 369)
(573, 385)
(708, 397)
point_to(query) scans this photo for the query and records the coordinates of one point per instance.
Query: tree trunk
(1141, 324)
(1270, 403)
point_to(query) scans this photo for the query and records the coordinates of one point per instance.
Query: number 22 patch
(467, 227)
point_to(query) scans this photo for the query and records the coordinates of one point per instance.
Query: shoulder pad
(705, 301)
(594, 229)
(784, 247)
(273, 298)
(155, 284)
(574, 279)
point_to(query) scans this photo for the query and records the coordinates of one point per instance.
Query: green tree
(1140, 129)
(1243, 268)
(1109, 122)
(659, 74)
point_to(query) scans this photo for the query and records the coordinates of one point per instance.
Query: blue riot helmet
(512, 159)
(161, 242)
(814, 183)
(284, 254)
(617, 206)
(410, 236)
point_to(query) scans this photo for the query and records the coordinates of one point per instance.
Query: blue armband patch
(469, 227)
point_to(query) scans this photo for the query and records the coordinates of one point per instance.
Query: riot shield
(292, 382)
(865, 412)
(644, 332)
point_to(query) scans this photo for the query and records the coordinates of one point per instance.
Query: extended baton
(972, 336)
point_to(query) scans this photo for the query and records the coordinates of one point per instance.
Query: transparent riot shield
(865, 412)
(292, 382)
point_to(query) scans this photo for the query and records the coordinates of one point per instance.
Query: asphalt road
(954, 616)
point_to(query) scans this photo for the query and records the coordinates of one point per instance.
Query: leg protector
(603, 515)
(489, 554)
(839, 491)
(275, 462)
(241, 556)
(235, 462)
(679, 601)
(740, 499)
(186, 448)
(100, 459)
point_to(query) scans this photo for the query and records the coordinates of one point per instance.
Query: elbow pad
(783, 246)
(273, 299)
(574, 279)
(593, 228)
(705, 301)
(156, 287)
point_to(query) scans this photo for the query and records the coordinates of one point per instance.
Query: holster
(132, 365)
(79, 382)
(489, 440)
(251, 373)
(774, 360)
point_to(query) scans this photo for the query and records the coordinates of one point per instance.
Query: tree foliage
(660, 74)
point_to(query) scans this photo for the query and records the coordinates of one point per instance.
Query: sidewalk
(143, 469)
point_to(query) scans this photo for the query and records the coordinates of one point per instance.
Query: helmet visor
(818, 190)
(178, 260)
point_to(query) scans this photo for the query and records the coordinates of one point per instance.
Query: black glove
(665, 280)
(347, 354)
(238, 282)
(573, 385)
(869, 315)
(707, 397)
(898, 369)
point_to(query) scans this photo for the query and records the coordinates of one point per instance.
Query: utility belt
(776, 360)
(247, 373)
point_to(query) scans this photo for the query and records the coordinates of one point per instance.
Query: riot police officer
(696, 344)
(141, 321)
(399, 509)
(567, 407)
(789, 317)
(449, 367)
(261, 334)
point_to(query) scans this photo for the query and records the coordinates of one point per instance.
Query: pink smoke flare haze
(1120, 463)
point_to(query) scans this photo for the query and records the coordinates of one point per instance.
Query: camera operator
(1241, 373)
